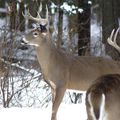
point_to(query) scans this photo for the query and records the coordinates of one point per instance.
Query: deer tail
(97, 104)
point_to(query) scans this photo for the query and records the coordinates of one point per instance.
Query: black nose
(23, 45)
(23, 42)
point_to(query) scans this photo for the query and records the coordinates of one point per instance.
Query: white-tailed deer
(103, 98)
(62, 70)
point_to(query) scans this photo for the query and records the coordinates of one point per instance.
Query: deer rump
(103, 98)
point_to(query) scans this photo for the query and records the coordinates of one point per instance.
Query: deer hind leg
(57, 96)
(88, 109)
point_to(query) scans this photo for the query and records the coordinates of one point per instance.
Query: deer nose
(23, 45)
(24, 41)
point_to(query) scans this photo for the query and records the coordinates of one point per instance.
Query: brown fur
(109, 85)
(64, 71)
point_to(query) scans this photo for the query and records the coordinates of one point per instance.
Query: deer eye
(35, 34)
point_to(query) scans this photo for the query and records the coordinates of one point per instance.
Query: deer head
(38, 35)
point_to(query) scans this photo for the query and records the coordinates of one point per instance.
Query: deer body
(103, 98)
(64, 71)
(61, 70)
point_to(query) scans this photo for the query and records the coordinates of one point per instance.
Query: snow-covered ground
(66, 112)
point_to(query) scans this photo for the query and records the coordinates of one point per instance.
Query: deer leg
(88, 109)
(57, 96)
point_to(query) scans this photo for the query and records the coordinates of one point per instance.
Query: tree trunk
(83, 28)
(21, 18)
(2, 5)
(60, 24)
(13, 12)
(109, 22)
(96, 45)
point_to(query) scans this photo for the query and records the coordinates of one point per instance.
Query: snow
(66, 112)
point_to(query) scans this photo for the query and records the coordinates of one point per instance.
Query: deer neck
(45, 54)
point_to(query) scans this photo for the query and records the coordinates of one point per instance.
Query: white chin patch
(36, 45)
